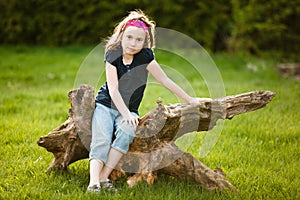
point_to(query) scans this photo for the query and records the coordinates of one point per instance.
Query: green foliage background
(221, 25)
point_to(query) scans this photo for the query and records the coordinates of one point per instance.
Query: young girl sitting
(128, 57)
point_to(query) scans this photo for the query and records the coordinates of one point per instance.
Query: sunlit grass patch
(259, 151)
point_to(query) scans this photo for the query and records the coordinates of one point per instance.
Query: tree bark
(153, 150)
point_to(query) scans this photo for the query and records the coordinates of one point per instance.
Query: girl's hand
(198, 100)
(130, 120)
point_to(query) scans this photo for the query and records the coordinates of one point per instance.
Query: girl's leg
(96, 167)
(113, 159)
(102, 130)
(124, 137)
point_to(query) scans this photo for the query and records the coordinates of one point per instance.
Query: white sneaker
(108, 186)
(94, 188)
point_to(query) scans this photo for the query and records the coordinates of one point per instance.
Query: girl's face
(133, 40)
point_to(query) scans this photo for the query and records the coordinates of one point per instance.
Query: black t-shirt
(132, 78)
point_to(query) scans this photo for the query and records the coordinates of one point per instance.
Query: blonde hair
(114, 41)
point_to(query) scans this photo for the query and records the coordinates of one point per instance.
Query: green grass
(259, 151)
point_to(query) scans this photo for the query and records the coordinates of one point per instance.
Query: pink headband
(137, 23)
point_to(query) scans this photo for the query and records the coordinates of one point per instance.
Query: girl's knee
(122, 142)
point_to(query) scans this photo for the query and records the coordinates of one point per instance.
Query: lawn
(259, 151)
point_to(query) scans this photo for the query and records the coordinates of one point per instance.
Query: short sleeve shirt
(132, 78)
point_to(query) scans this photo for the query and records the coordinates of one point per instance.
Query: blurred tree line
(220, 25)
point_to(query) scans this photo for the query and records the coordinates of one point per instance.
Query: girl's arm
(113, 87)
(163, 79)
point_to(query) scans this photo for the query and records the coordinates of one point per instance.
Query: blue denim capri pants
(105, 125)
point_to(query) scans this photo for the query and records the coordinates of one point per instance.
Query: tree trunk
(153, 150)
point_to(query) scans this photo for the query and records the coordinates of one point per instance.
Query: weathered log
(153, 151)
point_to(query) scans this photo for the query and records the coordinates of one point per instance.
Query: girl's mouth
(131, 49)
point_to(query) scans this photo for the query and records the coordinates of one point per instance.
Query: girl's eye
(139, 39)
(129, 37)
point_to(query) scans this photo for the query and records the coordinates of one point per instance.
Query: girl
(128, 57)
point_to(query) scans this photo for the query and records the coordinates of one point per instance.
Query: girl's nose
(132, 43)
